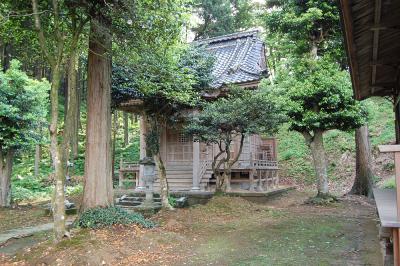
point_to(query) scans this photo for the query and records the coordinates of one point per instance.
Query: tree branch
(42, 39)
(240, 150)
(308, 137)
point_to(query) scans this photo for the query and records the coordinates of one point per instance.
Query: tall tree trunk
(57, 155)
(38, 155)
(73, 101)
(114, 140)
(363, 181)
(6, 56)
(98, 190)
(164, 190)
(126, 131)
(38, 147)
(55, 60)
(6, 164)
(316, 144)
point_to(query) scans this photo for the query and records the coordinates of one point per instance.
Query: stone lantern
(149, 169)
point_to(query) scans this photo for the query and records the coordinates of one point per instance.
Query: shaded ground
(22, 216)
(227, 231)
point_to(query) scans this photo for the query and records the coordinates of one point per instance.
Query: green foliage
(163, 80)
(221, 17)
(29, 188)
(102, 217)
(317, 95)
(295, 159)
(297, 25)
(172, 201)
(23, 107)
(389, 183)
(74, 190)
(197, 62)
(242, 112)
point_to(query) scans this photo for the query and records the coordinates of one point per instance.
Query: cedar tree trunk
(5, 177)
(98, 190)
(363, 181)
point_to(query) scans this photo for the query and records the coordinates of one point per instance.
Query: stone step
(176, 180)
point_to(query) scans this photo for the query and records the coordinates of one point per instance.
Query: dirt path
(228, 231)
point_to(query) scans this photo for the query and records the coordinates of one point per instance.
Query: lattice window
(182, 137)
(268, 153)
(179, 146)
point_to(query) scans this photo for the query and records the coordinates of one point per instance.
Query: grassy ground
(227, 231)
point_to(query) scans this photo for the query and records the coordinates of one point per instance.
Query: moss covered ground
(227, 231)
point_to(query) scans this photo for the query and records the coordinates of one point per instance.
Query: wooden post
(395, 231)
(143, 133)
(396, 150)
(397, 118)
(251, 176)
(395, 238)
(196, 166)
(260, 187)
(251, 173)
(120, 174)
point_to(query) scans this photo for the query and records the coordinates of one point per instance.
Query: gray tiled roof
(240, 58)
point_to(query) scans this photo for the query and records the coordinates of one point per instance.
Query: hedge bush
(102, 217)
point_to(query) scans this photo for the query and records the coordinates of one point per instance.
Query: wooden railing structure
(263, 174)
(128, 167)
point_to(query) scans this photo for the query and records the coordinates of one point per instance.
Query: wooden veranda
(372, 36)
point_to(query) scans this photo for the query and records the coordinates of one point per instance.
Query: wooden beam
(395, 239)
(389, 148)
(347, 24)
(375, 43)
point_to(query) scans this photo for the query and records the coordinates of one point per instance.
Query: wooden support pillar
(396, 108)
(395, 231)
(143, 132)
(120, 174)
(196, 166)
(251, 176)
(396, 253)
(260, 185)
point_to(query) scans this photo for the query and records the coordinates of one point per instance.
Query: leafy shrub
(388, 166)
(102, 217)
(172, 201)
(128, 184)
(74, 190)
(389, 183)
(31, 183)
(19, 194)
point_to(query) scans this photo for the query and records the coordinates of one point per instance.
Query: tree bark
(126, 131)
(114, 140)
(98, 189)
(6, 165)
(164, 189)
(55, 60)
(6, 56)
(72, 101)
(38, 154)
(316, 144)
(223, 181)
(364, 174)
(57, 154)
